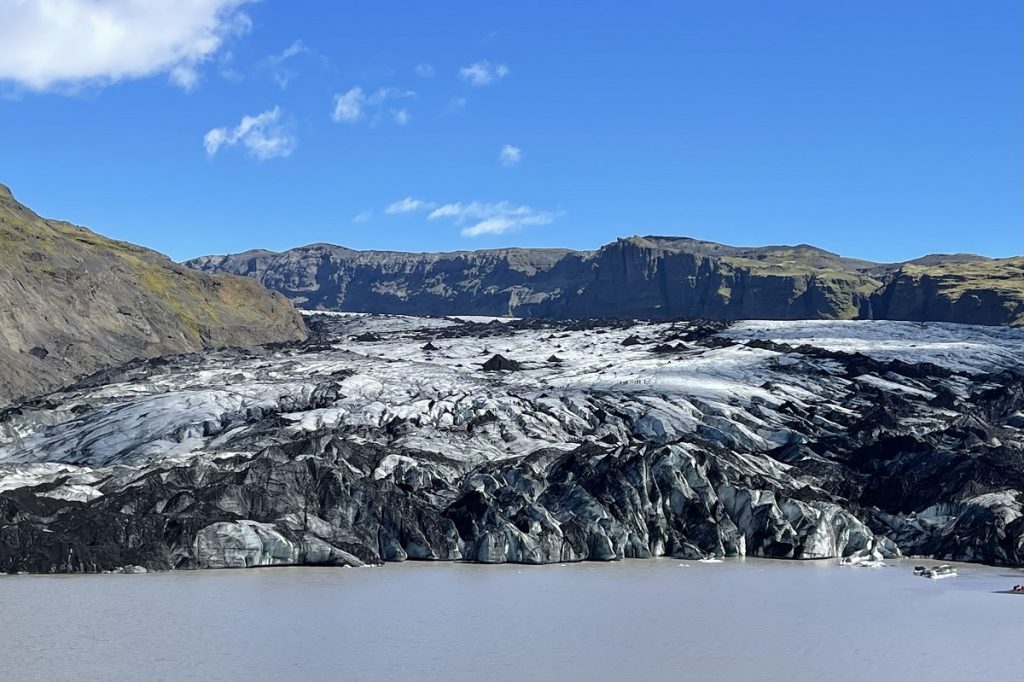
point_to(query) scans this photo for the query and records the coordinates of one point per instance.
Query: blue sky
(881, 130)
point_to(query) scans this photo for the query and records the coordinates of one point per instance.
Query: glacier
(383, 438)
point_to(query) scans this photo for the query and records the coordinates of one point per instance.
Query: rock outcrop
(641, 277)
(795, 440)
(499, 363)
(976, 291)
(72, 301)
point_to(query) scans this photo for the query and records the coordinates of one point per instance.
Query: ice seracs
(382, 439)
(869, 557)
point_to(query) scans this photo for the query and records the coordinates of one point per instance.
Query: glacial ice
(724, 444)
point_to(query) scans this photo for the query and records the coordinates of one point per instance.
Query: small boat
(939, 572)
(920, 570)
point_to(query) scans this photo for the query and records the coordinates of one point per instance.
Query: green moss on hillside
(92, 301)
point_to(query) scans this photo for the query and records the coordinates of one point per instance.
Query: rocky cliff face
(978, 292)
(72, 301)
(325, 277)
(681, 278)
(649, 277)
(385, 439)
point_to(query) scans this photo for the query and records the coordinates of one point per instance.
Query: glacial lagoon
(644, 620)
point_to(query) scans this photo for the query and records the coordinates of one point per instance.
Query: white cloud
(408, 205)
(457, 105)
(185, 76)
(296, 48)
(495, 225)
(383, 94)
(225, 68)
(477, 218)
(348, 107)
(283, 75)
(263, 135)
(510, 155)
(66, 44)
(483, 73)
(354, 104)
(424, 70)
(363, 217)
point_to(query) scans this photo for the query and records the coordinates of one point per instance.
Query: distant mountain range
(72, 302)
(643, 277)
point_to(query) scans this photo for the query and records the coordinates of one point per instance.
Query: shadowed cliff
(644, 277)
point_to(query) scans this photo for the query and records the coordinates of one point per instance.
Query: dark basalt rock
(654, 277)
(499, 363)
(860, 466)
(632, 340)
(429, 346)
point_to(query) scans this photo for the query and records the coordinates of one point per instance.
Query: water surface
(640, 620)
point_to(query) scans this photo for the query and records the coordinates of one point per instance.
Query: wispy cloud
(408, 205)
(185, 76)
(363, 217)
(457, 105)
(74, 43)
(348, 106)
(477, 218)
(281, 73)
(383, 94)
(483, 73)
(264, 136)
(355, 104)
(510, 155)
(296, 48)
(424, 70)
(225, 68)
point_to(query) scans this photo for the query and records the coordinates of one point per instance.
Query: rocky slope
(982, 291)
(648, 277)
(387, 438)
(72, 301)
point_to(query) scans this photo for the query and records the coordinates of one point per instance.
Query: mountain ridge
(927, 259)
(653, 276)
